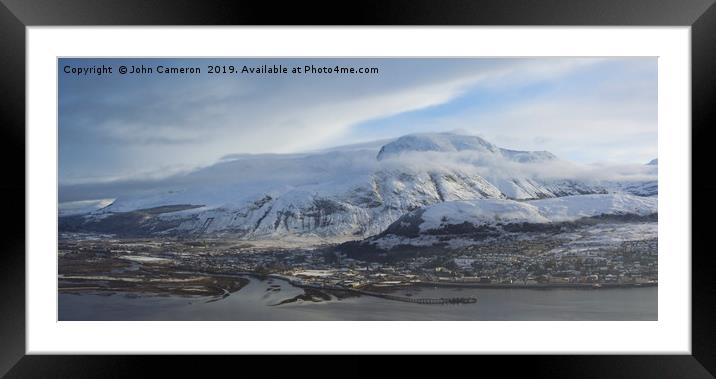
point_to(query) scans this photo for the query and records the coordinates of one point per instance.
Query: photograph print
(383, 189)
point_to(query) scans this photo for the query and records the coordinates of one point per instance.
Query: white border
(670, 334)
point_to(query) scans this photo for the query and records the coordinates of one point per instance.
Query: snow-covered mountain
(488, 212)
(354, 192)
(456, 224)
(648, 187)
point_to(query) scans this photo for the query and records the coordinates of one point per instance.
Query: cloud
(137, 128)
(338, 171)
(495, 167)
(602, 111)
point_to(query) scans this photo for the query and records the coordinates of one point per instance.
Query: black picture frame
(16, 15)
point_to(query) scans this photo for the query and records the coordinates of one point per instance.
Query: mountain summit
(450, 142)
(439, 142)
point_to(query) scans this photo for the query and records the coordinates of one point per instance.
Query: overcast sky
(124, 127)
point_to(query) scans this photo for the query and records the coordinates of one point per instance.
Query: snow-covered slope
(81, 207)
(355, 191)
(479, 212)
(571, 208)
(638, 188)
(500, 211)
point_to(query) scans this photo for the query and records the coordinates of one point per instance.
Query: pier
(424, 300)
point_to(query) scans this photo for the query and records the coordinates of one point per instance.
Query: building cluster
(517, 262)
(630, 262)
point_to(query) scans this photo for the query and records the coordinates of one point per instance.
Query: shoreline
(595, 286)
(373, 290)
(294, 281)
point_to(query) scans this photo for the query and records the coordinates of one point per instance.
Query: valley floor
(604, 255)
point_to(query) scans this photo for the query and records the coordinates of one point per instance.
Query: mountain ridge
(333, 193)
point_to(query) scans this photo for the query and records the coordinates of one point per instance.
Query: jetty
(420, 300)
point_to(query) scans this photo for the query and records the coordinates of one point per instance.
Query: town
(541, 263)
